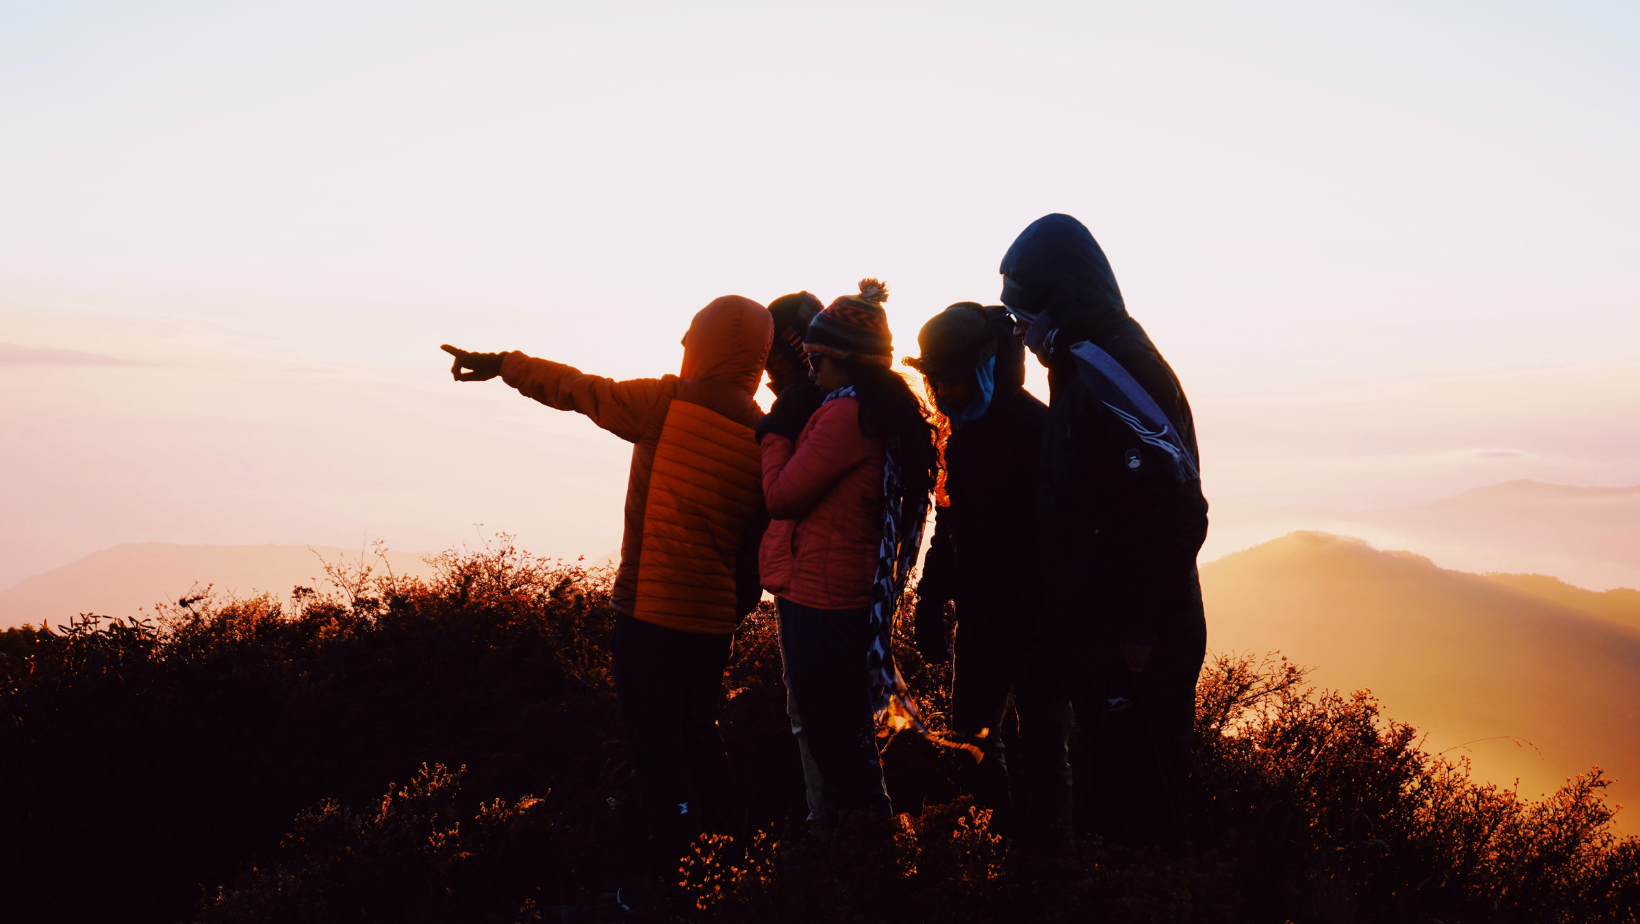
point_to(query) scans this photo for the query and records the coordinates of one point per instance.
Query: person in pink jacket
(847, 468)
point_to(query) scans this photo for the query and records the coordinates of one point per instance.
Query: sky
(1392, 250)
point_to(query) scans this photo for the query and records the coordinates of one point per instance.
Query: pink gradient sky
(1391, 251)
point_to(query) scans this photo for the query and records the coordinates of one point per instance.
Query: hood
(728, 342)
(1056, 272)
(954, 342)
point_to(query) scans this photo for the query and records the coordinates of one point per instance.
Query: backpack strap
(1118, 390)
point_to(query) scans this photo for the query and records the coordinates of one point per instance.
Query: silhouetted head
(854, 328)
(788, 364)
(795, 311)
(969, 355)
(954, 342)
(728, 342)
(1056, 279)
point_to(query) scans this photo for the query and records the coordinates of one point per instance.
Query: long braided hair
(892, 412)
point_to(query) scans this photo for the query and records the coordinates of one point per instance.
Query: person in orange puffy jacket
(847, 467)
(688, 573)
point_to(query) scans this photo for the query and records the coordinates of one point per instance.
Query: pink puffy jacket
(825, 502)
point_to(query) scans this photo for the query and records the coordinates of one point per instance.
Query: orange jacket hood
(728, 342)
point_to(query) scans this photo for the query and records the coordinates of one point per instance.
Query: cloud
(13, 355)
(1502, 453)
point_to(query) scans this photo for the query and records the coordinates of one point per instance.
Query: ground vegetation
(401, 750)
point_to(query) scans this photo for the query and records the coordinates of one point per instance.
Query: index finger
(452, 350)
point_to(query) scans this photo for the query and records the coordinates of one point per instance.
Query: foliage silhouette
(225, 761)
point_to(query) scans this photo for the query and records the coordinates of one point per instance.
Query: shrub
(150, 769)
(169, 754)
(1334, 813)
(418, 857)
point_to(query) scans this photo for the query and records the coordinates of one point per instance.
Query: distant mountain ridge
(1589, 537)
(1482, 663)
(120, 580)
(1597, 523)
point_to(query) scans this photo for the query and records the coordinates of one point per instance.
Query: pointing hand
(484, 365)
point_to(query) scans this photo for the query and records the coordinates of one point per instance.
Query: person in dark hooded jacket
(789, 367)
(982, 559)
(1120, 518)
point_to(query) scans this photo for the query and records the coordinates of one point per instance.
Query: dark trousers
(813, 793)
(826, 662)
(669, 684)
(1140, 729)
(1037, 806)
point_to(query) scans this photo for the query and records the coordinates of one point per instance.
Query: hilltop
(119, 581)
(1589, 537)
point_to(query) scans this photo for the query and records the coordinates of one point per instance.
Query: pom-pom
(873, 291)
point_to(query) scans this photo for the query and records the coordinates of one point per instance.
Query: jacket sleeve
(748, 578)
(625, 409)
(936, 580)
(795, 480)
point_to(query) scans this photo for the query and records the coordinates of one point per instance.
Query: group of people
(1064, 550)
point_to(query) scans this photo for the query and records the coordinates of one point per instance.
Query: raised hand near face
(484, 366)
(791, 411)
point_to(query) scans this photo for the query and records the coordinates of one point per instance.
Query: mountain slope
(120, 580)
(1589, 537)
(1470, 659)
(1620, 605)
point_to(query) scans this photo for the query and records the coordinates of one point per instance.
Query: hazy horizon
(1587, 537)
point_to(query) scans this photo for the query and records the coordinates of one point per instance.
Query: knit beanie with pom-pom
(854, 328)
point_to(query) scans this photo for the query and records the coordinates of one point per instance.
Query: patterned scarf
(891, 701)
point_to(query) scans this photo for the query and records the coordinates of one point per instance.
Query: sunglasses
(1020, 317)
